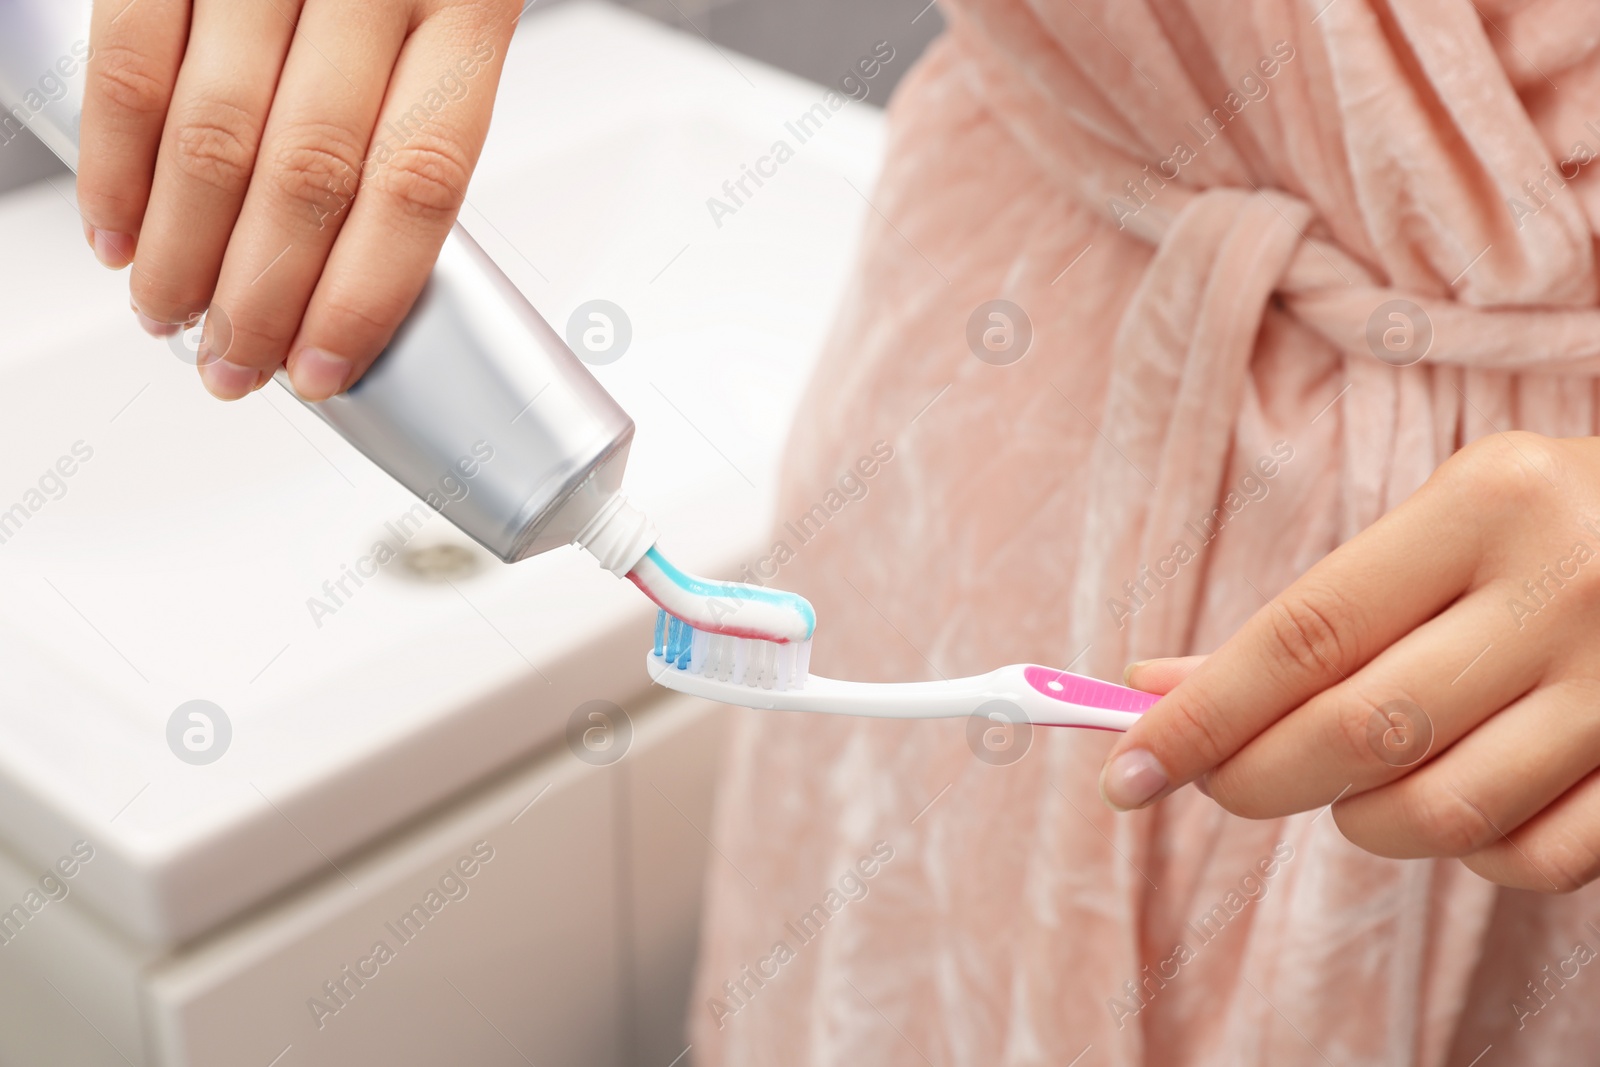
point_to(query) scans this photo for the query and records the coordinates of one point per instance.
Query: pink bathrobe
(1279, 259)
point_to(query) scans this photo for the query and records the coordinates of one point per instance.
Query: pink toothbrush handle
(1109, 707)
(1086, 692)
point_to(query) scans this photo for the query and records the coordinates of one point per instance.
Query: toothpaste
(729, 608)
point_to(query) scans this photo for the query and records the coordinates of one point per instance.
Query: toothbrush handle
(1058, 698)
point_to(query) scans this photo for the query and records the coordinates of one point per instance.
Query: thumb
(1133, 777)
(1160, 676)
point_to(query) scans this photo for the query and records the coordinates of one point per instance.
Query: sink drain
(443, 562)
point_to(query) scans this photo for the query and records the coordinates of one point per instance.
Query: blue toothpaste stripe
(734, 591)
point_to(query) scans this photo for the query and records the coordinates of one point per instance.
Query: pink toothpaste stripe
(1087, 692)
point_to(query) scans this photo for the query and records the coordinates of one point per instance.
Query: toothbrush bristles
(739, 660)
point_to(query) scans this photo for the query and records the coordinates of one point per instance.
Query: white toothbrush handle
(1036, 694)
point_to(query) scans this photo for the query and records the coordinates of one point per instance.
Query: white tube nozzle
(618, 536)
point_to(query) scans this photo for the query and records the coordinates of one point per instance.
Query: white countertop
(178, 561)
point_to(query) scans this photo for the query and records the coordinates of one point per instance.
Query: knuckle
(1382, 736)
(1582, 696)
(365, 314)
(1584, 584)
(1560, 866)
(481, 12)
(165, 292)
(1238, 789)
(258, 340)
(313, 167)
(1191, 726)
(130, 80)
(216, 145)
(1447, 823)
(161, 299)
(1508, 471)
(1314, 633)
(1352, 727)
(426, 179)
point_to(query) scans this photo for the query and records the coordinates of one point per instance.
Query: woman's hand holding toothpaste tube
(295, 164)
(1436, 679)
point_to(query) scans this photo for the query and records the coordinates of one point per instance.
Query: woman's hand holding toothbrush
(293, 165)
(1436, 679)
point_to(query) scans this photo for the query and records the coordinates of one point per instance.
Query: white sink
(179, 558)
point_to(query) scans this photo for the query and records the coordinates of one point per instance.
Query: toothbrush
(748, 645)
(751, 673)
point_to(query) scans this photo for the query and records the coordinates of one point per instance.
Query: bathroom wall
(817, 39)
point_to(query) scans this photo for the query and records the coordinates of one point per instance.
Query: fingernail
(1132, 780)
(317, 374)
(156, 329)
(1127, 672)
(211, 348)
(229, 381)
(113, 250)
(151, 326)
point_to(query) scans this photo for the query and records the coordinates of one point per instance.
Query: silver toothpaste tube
(473, 371)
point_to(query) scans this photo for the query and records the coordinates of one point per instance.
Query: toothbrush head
(740, 661)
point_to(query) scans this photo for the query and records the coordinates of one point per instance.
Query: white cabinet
(551, 917)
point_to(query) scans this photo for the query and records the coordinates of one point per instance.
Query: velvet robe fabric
(1279, 259)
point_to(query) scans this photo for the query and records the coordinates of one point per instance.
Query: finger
(1160, 676)
(1557, 851)
(1488, 785)
(1416, 699)
(137, 47)
(430, 133)
(208, 152)
(316, 137)
(1318, 632)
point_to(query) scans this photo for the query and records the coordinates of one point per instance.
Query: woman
(1233, 228)
(1164, 302)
